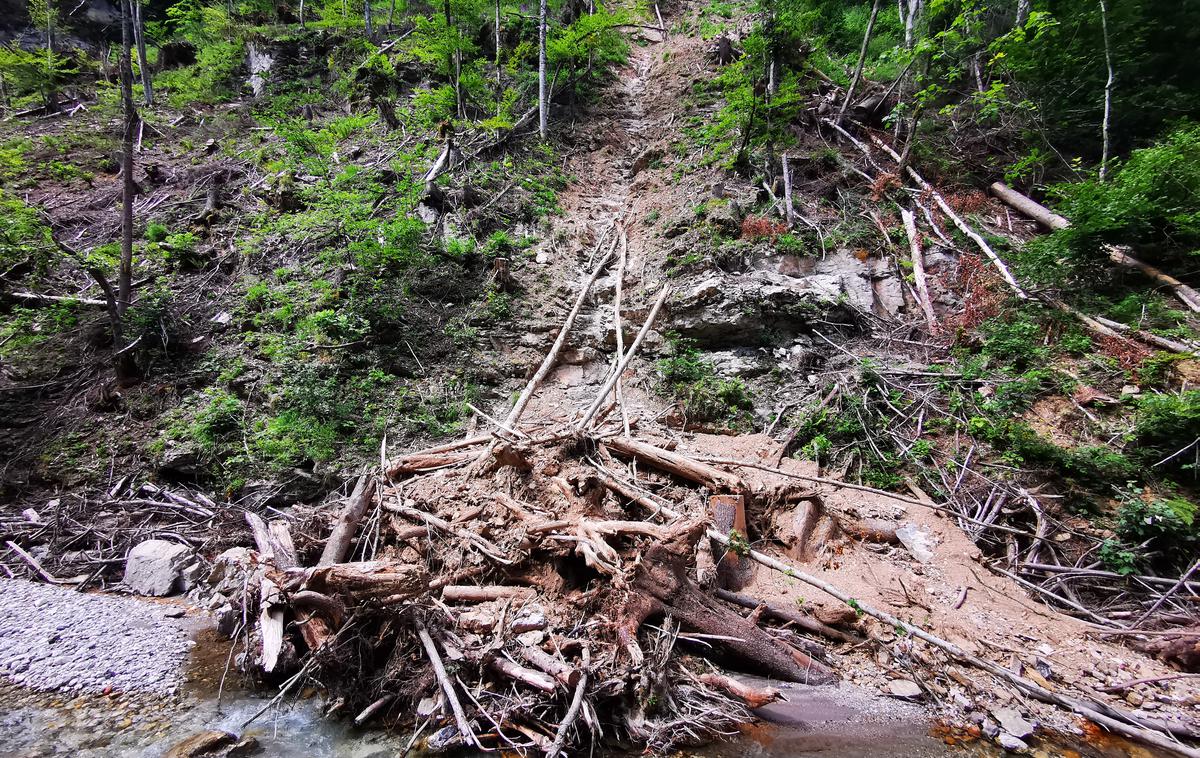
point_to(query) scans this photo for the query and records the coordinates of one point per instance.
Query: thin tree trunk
(543, 106)
(139, 37)
(51, 90)
(499, 81)
(301, 14)
(789, 212)
(1022, 13)
(391, 13)
(1108, 88)
(126, 367)
(367, 17)
(862, 57)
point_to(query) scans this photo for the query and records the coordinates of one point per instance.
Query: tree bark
(862, 57)
(918, 262)
(1108, 88)
(789, 213)
(1022, 13)
(139, 36)
(543, 105)
(367, 17)
(499, 80)
(1029, 207)
(338, 544)
(126, 366)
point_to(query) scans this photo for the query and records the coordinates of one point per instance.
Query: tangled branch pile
(528, 597)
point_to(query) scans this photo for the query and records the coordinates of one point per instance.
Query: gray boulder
(155, 567)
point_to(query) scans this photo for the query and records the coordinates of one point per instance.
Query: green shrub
(692, 381)
(210, 80)
(1167, 425)
(1151, 202)
(1166, 527)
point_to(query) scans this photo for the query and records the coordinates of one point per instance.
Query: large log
(679, 465)
(338, 544)
(660, 586)
(369, 579)
(1029, 207)
(1051, 220)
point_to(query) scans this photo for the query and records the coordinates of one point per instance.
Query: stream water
(842, 721)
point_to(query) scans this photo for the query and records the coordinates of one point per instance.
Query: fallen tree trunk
(368, 580)
(679, 465)
(1186, 295)
(798, 620)
(338, 544)
(1051, 220)
(37, 298)
(660, 586)
(471, 594)
(1029, 207)
(918, 262)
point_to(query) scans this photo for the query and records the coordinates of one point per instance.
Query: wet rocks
(204, 743)
(1012, 722)
(157, 567)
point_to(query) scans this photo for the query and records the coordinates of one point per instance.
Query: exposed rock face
(155, 567)
(732, 311)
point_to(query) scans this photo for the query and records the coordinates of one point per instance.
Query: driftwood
(679, 465)
(418, 462)
(274, 541)
(755, 697)
(368, 579)
(338, 544)
(467, 594)
(660, 586)
(798, 620)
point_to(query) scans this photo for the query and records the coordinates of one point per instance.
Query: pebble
(1009, 742)
(54, 638)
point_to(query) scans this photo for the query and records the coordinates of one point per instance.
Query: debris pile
(525, 593)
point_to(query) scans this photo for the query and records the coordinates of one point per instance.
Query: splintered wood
(536, 591)
(522, 593)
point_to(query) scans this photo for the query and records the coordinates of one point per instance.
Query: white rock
(154, 567)
(1011, 721)
(1009, 742)
(903, 688)
(918, 542)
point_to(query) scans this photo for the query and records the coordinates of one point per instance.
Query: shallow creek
(829, 721)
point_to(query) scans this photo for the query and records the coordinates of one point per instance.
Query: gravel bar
(54, 638)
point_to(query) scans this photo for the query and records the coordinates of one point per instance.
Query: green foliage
(24, 237)
(1164, 530)
(38, 73)
(211, 79)
(1167, 426)
(693, 382)
(1151, 202)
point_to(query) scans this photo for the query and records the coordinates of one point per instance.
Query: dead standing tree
(126, 364)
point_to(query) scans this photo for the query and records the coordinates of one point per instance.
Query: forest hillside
(518, 376)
